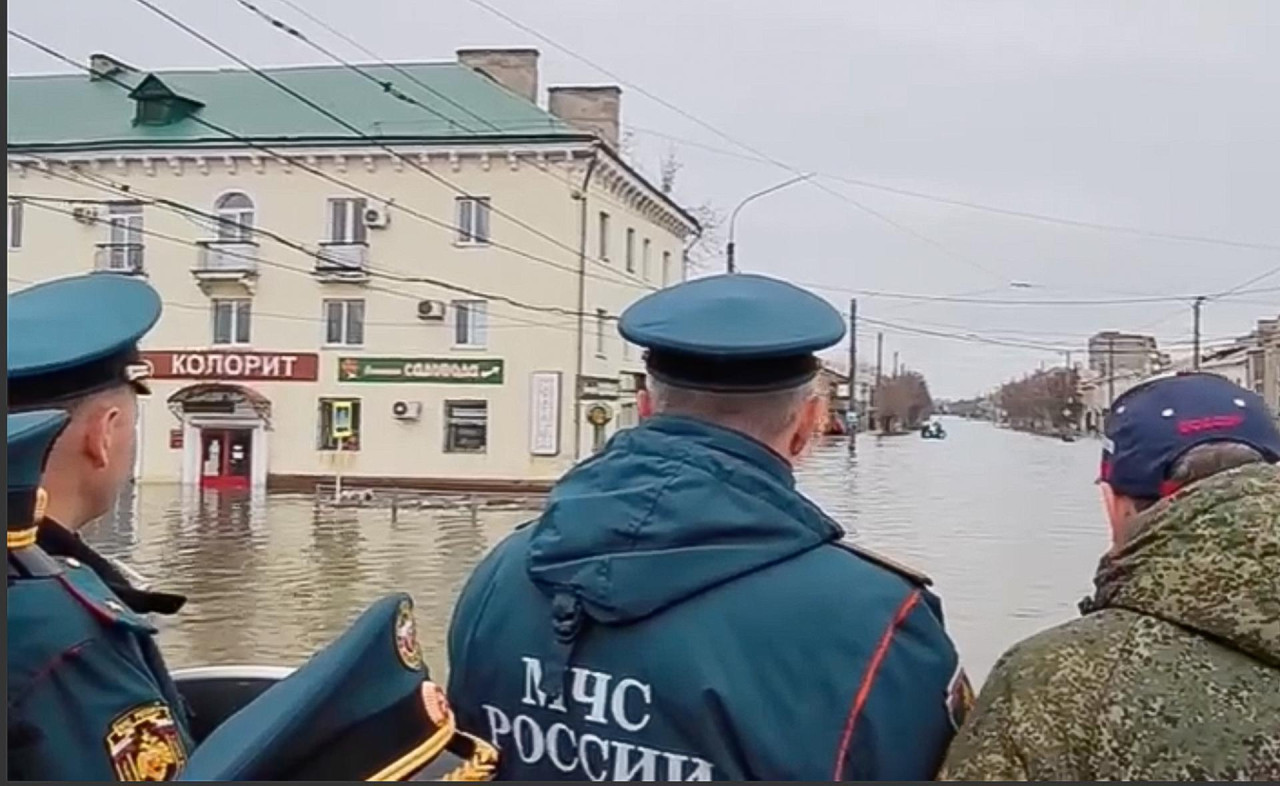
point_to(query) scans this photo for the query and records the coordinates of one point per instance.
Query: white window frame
(353, 230)
(344, 321)
(16, 214)
(450, 419)
(601, 317)
(472, 318)
(235, 224)
(631, 250)
(125, 235)
(602, 229)
(236, 316)
(474, 221)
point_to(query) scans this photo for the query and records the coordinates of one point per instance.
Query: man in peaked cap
(680, 611)
(95, 701)
(84, 700)
(1173, 672)
(363, 708)
(73, 345)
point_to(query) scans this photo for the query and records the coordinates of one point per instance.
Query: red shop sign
(205, 364)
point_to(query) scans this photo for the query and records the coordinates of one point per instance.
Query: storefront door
(226, 458)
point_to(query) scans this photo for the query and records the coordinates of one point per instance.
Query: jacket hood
(667, 510)
(1207, 559)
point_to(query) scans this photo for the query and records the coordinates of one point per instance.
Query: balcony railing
(343, 260)
(227, 257)
(118, 257)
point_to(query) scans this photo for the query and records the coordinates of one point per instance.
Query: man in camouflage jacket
(1173, 673)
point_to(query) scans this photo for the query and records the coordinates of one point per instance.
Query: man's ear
(807, 424)
(644, 403)
(99, 434)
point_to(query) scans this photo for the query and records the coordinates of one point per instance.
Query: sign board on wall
(544, 413)
(218, 364)
(446, 371)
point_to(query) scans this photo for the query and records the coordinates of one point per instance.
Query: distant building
(1113, 352)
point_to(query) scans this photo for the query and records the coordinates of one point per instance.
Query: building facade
(411, 292)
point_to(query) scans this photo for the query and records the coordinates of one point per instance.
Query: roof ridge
(268, 69)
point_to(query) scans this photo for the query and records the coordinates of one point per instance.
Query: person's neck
(67, 512)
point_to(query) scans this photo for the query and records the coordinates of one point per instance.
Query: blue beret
(733, 332)
(73, 336)
(1153, 425)
(356, 710)
(31, 435)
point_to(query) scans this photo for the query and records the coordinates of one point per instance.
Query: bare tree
(668, 168)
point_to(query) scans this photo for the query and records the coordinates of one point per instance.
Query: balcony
(123, 258)
(224, 260)
(343, 262)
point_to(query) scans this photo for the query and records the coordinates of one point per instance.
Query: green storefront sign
(446, 371)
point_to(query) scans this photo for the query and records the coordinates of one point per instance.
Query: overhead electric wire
(349, 186)
(39, 202)
(354, 129)
(387, 86)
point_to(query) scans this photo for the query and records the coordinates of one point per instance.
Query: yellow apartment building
(412, 286)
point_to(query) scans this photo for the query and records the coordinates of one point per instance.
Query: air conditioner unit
(85, 214)
(377, 217)
(431, 310)
(406, 410)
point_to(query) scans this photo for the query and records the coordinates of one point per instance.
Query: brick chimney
(591, 108)
(514, 69)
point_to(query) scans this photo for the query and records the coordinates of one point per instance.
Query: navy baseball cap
(1156, 423)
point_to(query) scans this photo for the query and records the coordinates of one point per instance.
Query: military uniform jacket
(1173, 673)
(680, 612)
(89, 695)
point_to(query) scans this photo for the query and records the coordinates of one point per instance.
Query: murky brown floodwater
(1008, 525)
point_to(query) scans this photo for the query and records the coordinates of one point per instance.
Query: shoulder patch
(406, 635)
(960, 698)
(144, 744)
(911, 574)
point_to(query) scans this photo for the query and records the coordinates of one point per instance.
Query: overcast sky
(1163, 116)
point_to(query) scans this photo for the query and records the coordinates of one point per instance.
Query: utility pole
(1111, 370)
(852, 417)
(895, 362)
(875, 388)
(1195, 310)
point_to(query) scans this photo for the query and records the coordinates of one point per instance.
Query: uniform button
(116, 607)
(72, 562)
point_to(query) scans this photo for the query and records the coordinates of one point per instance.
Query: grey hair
(765, 416)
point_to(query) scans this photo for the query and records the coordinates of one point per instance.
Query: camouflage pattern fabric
(1172, 674)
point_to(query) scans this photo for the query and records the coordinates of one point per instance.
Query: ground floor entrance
(226, 458)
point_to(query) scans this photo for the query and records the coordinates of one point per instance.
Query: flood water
(1007, 524)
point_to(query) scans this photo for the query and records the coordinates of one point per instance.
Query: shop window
(344, 414)
(466, 426)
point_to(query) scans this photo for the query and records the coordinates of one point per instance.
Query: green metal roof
(73, 112)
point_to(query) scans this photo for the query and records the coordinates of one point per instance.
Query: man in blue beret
(95, 700)
(680, 611)
(362, 708)
(1173, 672)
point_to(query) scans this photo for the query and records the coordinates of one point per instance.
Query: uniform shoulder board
(911, 574)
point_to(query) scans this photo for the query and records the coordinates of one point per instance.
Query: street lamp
(733, 217)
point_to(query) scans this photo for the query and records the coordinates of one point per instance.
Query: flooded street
(1008, 525)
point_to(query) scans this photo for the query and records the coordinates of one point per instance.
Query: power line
(266, 150)
(781, 164)
(387, 86)
(872, 293)
(39, 202)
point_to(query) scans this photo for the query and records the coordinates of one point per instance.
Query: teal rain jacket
(681, 612)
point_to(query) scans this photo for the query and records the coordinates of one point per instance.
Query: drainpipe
(581, 196)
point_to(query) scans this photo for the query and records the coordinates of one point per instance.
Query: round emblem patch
(407, 646)
(144, 744)
(436, 702)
